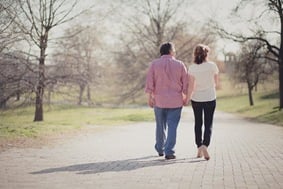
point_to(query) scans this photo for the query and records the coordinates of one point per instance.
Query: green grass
(59, 119)
(265, 109)
(19, 122)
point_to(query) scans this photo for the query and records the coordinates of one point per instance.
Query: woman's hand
(186, 100)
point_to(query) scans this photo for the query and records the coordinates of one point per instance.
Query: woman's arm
(216, 81)
(191, 87)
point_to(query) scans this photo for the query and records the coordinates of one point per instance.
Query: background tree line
(82, 67)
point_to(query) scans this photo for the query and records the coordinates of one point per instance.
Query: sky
(199, 10)
(203, 10)
(219, 10)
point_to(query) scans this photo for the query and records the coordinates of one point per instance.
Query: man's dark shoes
(160, 154)
(170, 157)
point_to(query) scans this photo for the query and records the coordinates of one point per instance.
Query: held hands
(151, 100)
(186, 100)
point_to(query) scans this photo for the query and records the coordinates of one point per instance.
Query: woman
(203, 79)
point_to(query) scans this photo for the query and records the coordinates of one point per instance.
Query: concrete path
(243, 155)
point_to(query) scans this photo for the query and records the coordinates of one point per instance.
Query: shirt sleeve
(149, 85)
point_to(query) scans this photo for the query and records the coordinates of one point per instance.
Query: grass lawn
(266, 102)
(264, 110)
(19, 122)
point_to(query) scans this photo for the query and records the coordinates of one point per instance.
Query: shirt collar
(167, 56)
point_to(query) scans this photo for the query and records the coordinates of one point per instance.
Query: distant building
(230, 60)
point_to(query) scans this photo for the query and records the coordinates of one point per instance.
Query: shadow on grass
(117, 166)
(274, 95)
(228, 97)
(274, 117)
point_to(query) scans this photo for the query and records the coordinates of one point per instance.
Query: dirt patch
(25, 142)
(50, 139)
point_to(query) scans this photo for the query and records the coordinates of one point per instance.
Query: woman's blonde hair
(200, 53)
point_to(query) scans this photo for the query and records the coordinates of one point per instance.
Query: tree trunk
(50, 90)
(38, 116)
(39, 104)
(89, 96)
(281, 83)
(3, 104)
(39, 94)
(2, 96)
(280, 59)
(82, 88)
(18, 94)
(250, 89)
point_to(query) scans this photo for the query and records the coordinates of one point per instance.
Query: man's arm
(149, 86)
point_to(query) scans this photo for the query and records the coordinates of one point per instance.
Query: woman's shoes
(205, 152)
(199, 155)
(202, 151)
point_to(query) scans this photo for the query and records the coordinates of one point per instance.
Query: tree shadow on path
(116, 166)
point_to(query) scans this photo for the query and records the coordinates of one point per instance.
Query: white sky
(219, 10)
(200, 10)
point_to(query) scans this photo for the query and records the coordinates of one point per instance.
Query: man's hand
(151, 101)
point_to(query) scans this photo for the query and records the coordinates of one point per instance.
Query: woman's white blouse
(204, 85)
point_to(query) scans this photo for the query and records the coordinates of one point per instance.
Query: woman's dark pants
(206, 109)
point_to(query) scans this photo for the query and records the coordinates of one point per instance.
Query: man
(166, 85)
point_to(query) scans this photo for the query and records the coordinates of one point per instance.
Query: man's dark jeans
(166, 119)
(208, 109)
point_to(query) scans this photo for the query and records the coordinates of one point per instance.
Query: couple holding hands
(170, 86)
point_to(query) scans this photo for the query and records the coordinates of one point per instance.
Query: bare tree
(154, 22)
(251, 66)
(38, 18)
(16, 76)
(7, 35)
(272, 40)
(77, 60)
(11, 72)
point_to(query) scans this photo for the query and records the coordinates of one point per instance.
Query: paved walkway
(243, 155)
